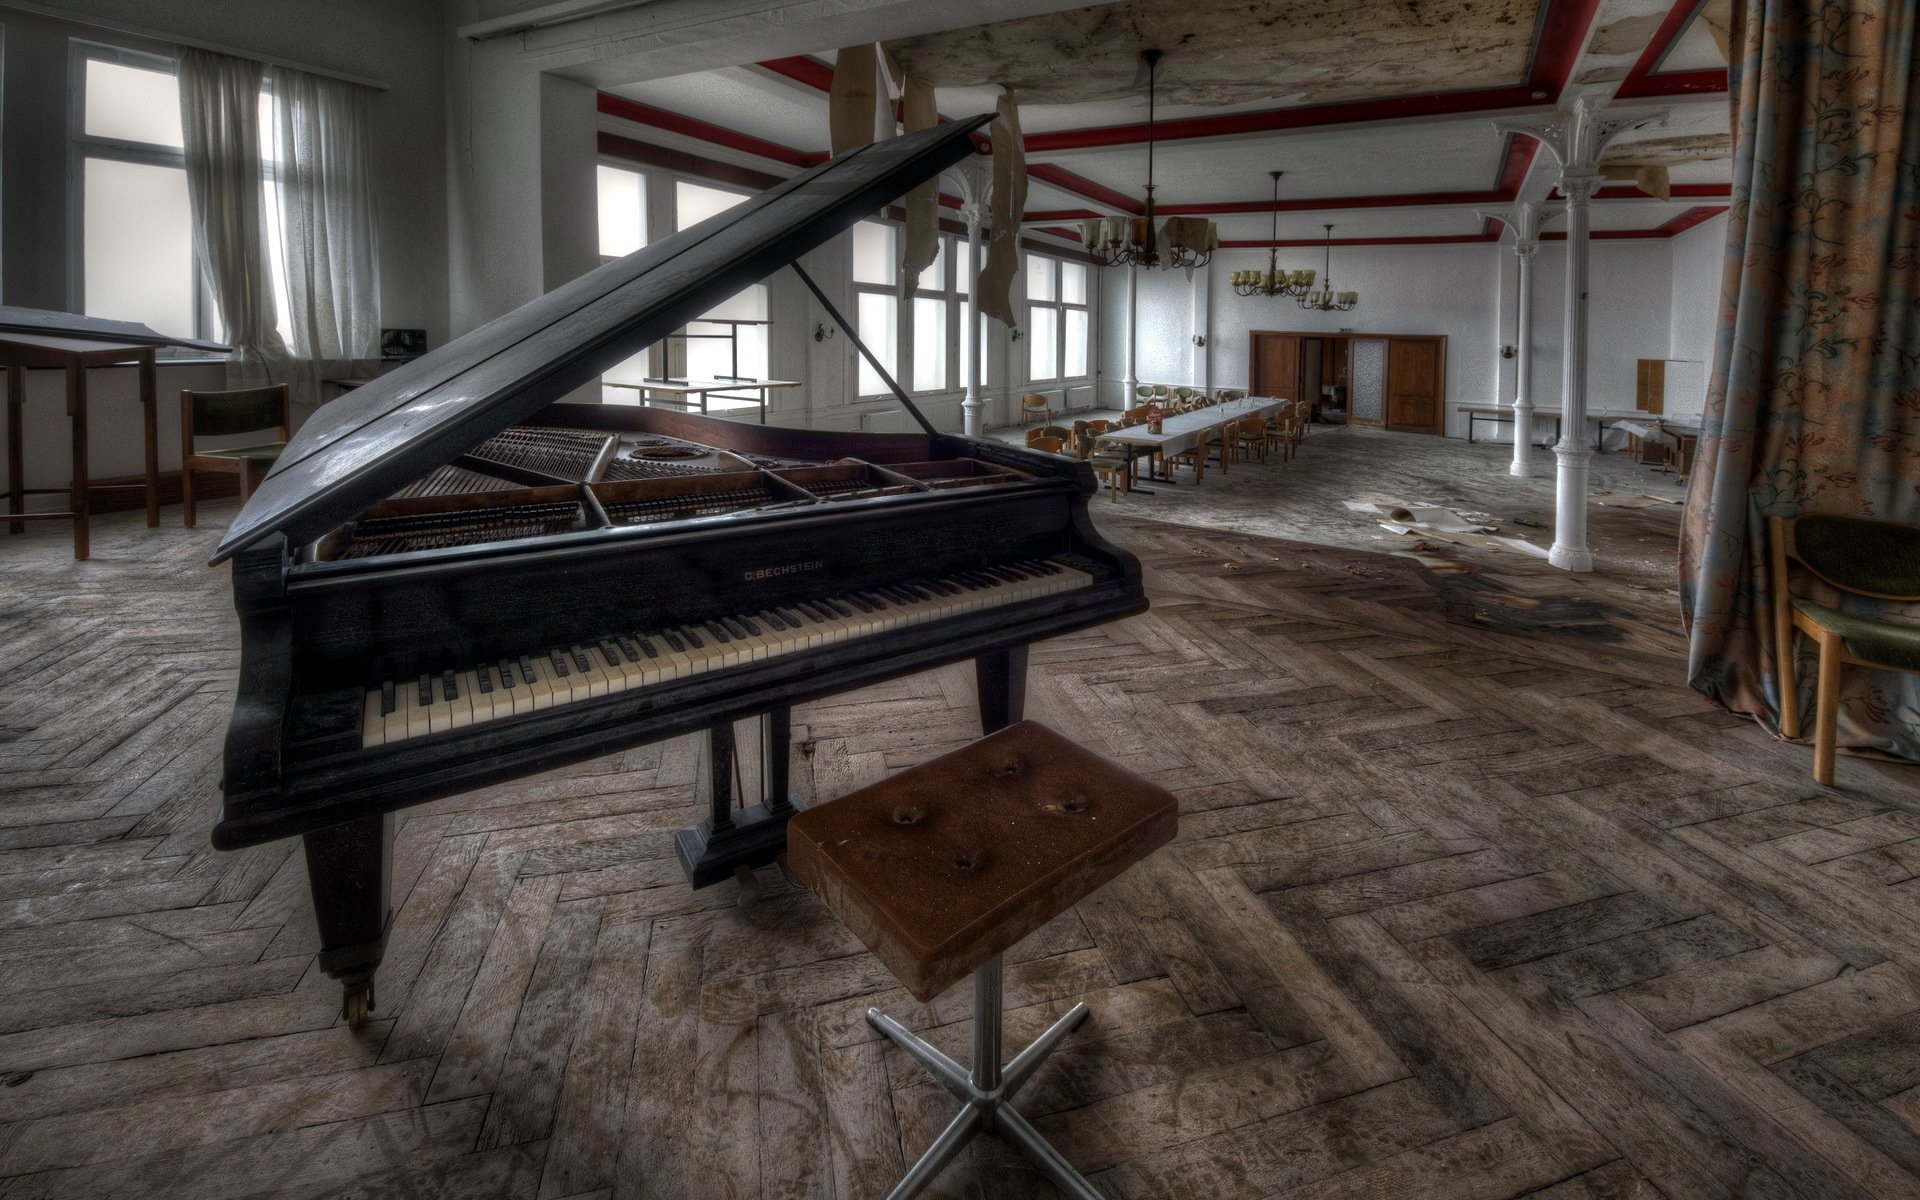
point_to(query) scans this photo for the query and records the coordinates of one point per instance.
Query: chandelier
(1273, 281)
(1326, 299)
(1133, 241)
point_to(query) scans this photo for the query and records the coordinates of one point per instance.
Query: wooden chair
(1033, 404)
(1047, 445)
(1279, 432)
(1250, 437)
(1112, 465)
(1875, 559)
(230, 414)
(1045, 431)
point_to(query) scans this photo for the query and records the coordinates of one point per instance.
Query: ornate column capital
(1579, 187)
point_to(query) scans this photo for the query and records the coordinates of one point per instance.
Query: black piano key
(386, 698)
(747, 627)
(485, 678)
(1003, 574)
(692, 637)
(813, 611)
(674, 640)
(854, 599)
(647, 648)
(426, 690)
(793, 617)
(732, 627)
(527, 673)
(774, 619)
(609, 653)
(719, 635)
(449, 685)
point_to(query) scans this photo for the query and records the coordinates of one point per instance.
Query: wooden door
(1416, 384)
(1275, 370)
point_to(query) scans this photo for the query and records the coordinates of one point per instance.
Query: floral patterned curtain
(1814, 404)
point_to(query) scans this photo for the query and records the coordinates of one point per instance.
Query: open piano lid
(382, 436)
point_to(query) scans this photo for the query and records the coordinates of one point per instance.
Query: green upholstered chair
(1859, 556)
(230, 414)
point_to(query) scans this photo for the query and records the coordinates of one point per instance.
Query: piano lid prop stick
(854, 336)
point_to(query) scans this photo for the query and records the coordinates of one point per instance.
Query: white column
(1576, 136)
(1570, 486)
(972, 404)
(1131, 382)
(1523, 370)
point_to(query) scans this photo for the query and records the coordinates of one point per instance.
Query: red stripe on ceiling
(1455, 239)
(614, 146)
(1641, 79)
(1098, 193)
(718, 135)
(1680, 224)
(1681, 191)
(1402, 200)
(1563, 32)
(802, 68)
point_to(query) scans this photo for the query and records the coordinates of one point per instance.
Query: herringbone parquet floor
(1466, 903)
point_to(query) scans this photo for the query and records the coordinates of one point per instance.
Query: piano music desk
(23, 352)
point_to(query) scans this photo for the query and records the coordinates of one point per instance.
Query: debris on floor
(1631, 500)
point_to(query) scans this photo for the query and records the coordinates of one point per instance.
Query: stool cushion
(942, 866)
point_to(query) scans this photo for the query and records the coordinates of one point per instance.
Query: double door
(1395, 381)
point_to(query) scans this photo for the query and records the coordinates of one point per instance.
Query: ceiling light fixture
(1273, 281)
(1326, 299)
(1133, 241)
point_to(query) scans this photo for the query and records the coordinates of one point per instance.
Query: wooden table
(23, 352)
(697, 391)
(1185, 431)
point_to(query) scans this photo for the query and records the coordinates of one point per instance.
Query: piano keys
(451, 579)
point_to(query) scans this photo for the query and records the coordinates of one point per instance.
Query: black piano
(453, 577)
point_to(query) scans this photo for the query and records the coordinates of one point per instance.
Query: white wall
(1465, 293)
(1699, 256)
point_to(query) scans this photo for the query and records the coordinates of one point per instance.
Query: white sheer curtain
(220, 117)
(323, 174)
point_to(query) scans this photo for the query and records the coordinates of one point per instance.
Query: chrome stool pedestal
(986, 1092)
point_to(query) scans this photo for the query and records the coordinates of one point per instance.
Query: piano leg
(1002, 677)
(350, 872)
(733, 840)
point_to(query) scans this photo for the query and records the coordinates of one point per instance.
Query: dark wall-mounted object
(402, 345)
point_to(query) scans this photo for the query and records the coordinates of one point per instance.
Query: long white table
(1184, 431)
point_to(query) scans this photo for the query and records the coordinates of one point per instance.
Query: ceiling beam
(1645, 78)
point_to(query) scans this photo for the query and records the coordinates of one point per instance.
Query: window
(136, 236)
(1057, 317)
(136, 233)
(876, 308)
(623, 211)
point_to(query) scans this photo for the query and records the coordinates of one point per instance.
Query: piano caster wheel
(749, 886)
(355, 1004)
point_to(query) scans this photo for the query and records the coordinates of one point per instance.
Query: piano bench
(943, 867)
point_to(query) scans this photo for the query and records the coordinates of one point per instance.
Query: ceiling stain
(1235, 51)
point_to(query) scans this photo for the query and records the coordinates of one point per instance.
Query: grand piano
(454, 577)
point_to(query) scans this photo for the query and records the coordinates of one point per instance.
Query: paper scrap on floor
(1632, 500)
(1426, 516)
(1466, 538)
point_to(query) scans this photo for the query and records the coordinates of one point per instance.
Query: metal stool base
(986, 1092)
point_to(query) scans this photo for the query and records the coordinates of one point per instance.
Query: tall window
(623, 211)
(932, 302)
(136, 237)
(711, 344)
(877, 309)
(1057, 317)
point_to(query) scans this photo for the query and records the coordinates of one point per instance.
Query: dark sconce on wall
(1506, 352)
(822, 332)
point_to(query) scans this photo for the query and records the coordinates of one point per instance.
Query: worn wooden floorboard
(1472, 899)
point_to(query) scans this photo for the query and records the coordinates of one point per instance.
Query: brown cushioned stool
(941, 868)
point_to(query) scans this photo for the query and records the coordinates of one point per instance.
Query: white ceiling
(1459, 154)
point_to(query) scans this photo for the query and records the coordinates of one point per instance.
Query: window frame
(1060, 306)
(82, 146)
